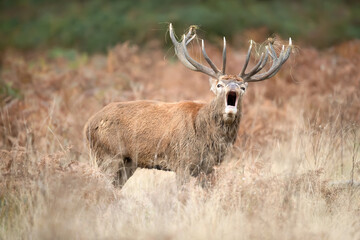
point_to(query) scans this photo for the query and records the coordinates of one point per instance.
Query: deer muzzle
(231, 98)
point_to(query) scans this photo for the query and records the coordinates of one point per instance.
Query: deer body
(186, 137)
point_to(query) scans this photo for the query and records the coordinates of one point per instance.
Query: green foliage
(7, 91)
(96, 25)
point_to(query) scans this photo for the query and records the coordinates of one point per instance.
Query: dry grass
(293, 174)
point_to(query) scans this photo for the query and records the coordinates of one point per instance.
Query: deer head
(228, 88)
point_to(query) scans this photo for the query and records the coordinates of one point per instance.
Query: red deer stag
(185, 137)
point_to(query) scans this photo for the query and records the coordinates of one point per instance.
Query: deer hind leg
(126, 169)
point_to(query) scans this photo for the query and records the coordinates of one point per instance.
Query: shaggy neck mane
(210, 123)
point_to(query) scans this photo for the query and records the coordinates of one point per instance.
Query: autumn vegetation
(293, 173)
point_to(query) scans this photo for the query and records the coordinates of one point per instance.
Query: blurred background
(97, 25)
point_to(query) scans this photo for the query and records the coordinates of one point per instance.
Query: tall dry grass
(291, 189)
(293, 174)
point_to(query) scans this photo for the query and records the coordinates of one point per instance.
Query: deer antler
(183, 55)
(275, 67)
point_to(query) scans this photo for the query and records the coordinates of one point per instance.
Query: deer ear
(213, 82)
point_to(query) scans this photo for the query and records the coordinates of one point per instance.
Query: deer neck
(211, 122)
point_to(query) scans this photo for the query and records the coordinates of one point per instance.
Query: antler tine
(198, 66)
(183, 55)
(257, 68)
(190, 37)
(273, 52)
(277, 63)
(274, 57)
(191, 29)
(224, 57)
(285, 57)
(247, 59)
(212, 65)
(179, 51)
(188, 40)
(262, 64)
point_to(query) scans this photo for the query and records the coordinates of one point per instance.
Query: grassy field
(293, 173)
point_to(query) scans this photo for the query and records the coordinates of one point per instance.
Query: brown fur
(185, 137)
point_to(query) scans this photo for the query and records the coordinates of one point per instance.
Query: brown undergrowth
(294, 172)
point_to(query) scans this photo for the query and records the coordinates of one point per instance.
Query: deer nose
(232, 86)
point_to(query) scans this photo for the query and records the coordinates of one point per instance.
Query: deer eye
(243, 88)
(219, 85)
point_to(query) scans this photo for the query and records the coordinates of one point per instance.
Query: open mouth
(231, 103)
(231, 99)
